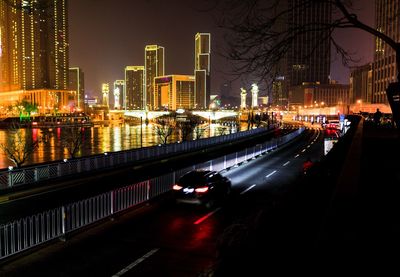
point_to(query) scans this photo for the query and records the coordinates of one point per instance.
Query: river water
(102, 138)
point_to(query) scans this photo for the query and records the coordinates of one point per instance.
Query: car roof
(195, 176)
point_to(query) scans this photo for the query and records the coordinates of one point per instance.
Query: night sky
(107, 35)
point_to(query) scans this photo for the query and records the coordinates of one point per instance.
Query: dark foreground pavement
(343, 218)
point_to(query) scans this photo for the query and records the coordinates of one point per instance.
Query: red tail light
(176, 187)
(202, 189)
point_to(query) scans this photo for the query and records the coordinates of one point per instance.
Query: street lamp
(141, 132)
(359, 102)
(209, 125)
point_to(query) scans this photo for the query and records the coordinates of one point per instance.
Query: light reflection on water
(100, 139)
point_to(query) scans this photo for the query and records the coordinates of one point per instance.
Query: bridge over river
(149, 115)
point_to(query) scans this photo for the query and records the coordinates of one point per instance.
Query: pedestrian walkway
(363, 217)
(342, 217)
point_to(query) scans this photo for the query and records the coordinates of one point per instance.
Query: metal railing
(37, 173)
(31, 231)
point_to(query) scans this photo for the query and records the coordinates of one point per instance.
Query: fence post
(148, 190)
(63, 219)
(225, 162)
(35, 176)
(236, 159)
(112, 202)
(10, 181)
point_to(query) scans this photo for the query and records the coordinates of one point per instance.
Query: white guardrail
(37, 173)
(31, 231)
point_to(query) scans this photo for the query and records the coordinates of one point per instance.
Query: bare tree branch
(20, 145)
(258, 37)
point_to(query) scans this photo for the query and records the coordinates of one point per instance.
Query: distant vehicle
(202, 187)
(307, 165)
(332, 124)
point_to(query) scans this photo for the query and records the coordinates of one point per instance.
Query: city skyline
(115, 49)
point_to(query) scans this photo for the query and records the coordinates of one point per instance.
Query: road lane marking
(272, 173)
(135, 263)
(200, 220)
(249, 188)
(285, 164)
(297, 155)
(304, 150)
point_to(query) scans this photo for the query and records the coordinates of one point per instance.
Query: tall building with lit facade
(174, 92)
(34, 53)
(77, 85)
(309, 56)
(384, 67)
(134, 97)
(315, 94)
(154, 66)
(105, 90)
(202, 65)
(118, 94)
(361, 84)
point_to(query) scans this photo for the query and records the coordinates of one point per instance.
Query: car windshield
(194, 178)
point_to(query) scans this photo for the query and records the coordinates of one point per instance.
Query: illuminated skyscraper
(174, 92)
(118, 92)
(202, 70)
(309, 53)
(154, 66)
(384, 66)
(308, 59)
(34, 52)
(77, 84)
(105, 89)
(134, 89)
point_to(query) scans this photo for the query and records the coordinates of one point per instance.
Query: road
(164, 239)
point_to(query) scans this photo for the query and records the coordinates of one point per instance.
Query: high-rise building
(315, 94)
(174, 92)
(77, 84)
(361, 84)
(308, 59)
(154, 66)
(384, 67)
(134, 89)
(118, 93)
(34, 53)
(105, 90)
(309, 54)
(202, 68)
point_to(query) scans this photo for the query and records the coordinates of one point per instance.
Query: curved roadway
(164, 239)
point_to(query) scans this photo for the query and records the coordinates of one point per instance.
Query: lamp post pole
(209, 126)
(141, 132)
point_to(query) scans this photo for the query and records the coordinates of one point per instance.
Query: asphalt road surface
(164, 239)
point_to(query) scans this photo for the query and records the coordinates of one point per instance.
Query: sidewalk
(363, 219)
(342, 217)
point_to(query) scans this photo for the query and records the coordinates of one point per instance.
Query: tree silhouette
(256, 41)
(72, 139)
(165, 127)
(19, 145)
(188, 126)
